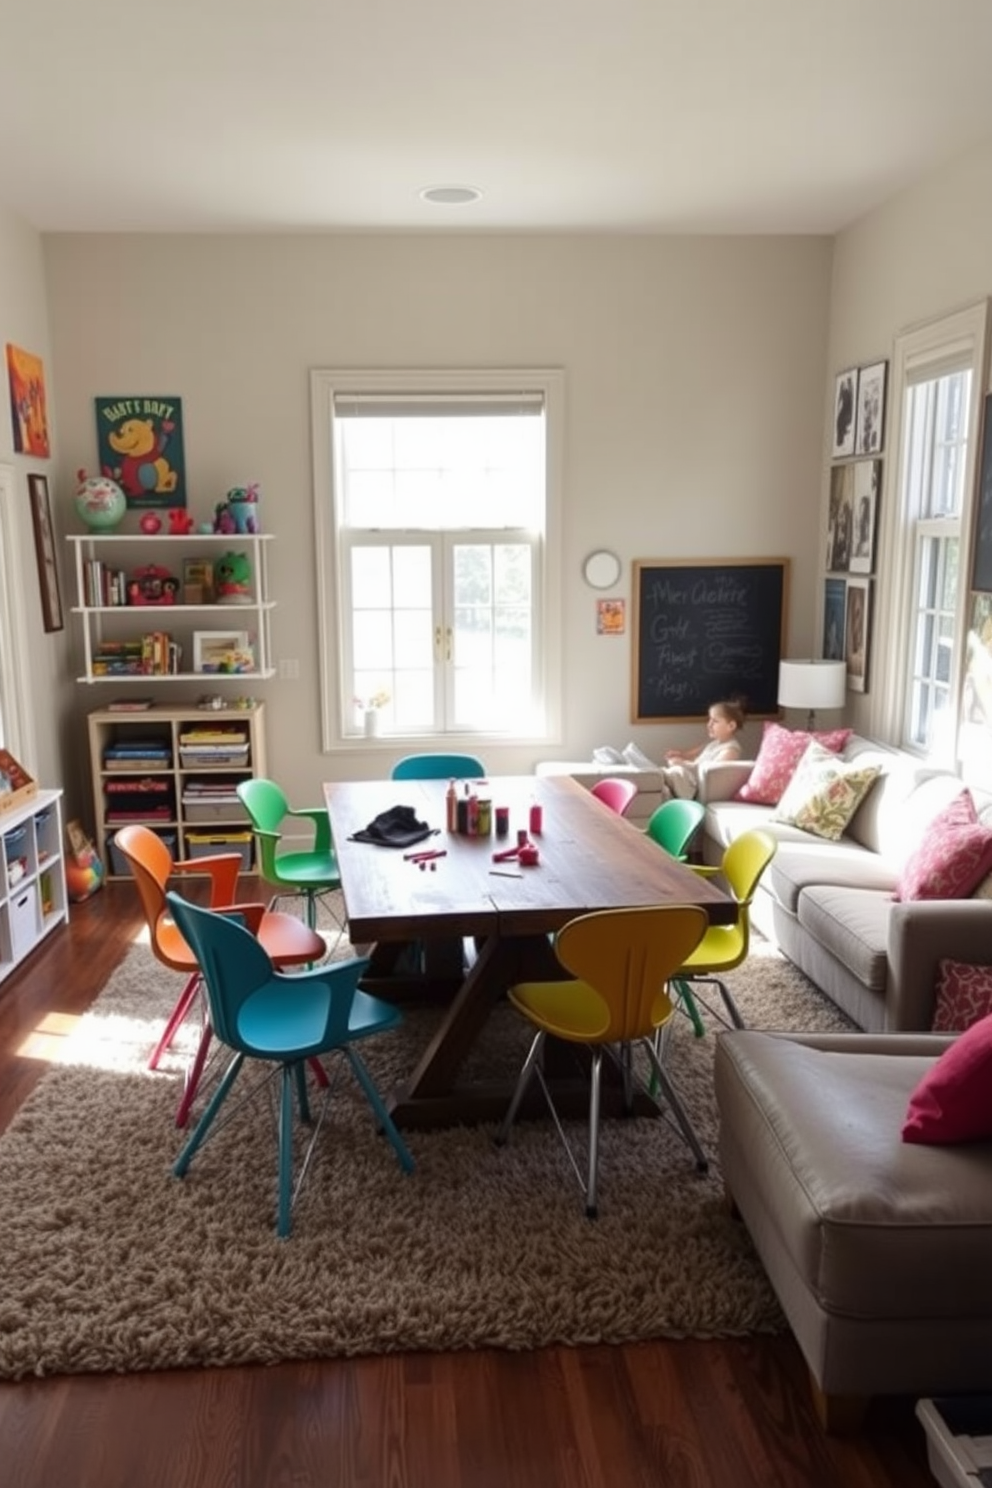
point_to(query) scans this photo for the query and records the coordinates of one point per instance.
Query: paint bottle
(451, 807)
(473, 814)
(502, 821)
(536, 818)
(485, 816)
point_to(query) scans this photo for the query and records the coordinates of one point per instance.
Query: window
(937, 388)
(436, 511)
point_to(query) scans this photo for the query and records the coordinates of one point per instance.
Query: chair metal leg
(300, 1078)
(205, 1122)
(186, 999)
(523, 1081)
(597, 1065)
(677, 1108)
(689, 1004)
(285, 1220)
(194, 1075)
(381, 1114)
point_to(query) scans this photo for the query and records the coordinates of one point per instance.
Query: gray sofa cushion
(853, 925)
(801, 865)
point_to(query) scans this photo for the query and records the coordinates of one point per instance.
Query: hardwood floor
(684, 1414)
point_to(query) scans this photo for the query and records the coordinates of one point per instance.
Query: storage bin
(959, 1439)
(205, 844)
(22, 913)
(219, 812)
(118, 862)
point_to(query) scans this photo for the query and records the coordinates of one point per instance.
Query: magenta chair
(616, 793)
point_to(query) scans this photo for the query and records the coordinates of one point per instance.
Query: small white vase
(371, 723)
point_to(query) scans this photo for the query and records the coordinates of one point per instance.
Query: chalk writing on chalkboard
(981, 576)
(705, 631)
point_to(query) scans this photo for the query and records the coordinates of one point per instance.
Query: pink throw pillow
(964, 994)
(953, 858)
(780, 753)
(953, 1101)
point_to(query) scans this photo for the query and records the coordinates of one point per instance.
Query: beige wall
(925, 253)
(24, 321)
(694, 370)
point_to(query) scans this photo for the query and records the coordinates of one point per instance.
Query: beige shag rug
(107, 1262)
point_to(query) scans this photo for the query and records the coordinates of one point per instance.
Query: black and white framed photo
(845, 395)
(840, 525)
(44, 546)
(870, 430)
(834, 604)
(867, 488)
(857, 633)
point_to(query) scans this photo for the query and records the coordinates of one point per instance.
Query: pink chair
(616, 793)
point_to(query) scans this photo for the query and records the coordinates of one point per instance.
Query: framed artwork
(867, 481)
(834, 607)
(870, 431)
(28, 408)
(222, 651)
(840, 527)
(140, 446)
(857, 633)
(44, 547)
(845, 394)
(198, 581)
(610, 616)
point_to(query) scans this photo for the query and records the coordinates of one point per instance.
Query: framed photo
(834, 608)
(225, 651)
(870, 431)
(840, 528)
(140, 446)
(610, 616)
(845, 395)
(44, 546)
(198, 581)
(857, 633)
(867, 486)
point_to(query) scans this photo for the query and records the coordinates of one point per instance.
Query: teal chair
(673, 825)
(307, 874)
(285, 1019)
(439, 767)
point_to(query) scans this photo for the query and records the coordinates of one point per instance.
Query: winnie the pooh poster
(140, 443)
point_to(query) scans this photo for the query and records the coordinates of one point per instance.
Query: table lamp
(811, 685)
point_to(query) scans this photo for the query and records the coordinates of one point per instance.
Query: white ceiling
(709, 116)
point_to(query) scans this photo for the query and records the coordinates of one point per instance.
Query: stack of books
(210, 748)
(137, 754)
(146, 800)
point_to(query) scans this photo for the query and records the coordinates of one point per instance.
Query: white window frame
(947, 344)
(327, 384)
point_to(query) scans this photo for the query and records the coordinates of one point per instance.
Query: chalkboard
(981, 570)
(706, 631)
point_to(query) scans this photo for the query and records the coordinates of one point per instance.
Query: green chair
(439, 767)
(673, 825)
(285, 1019)
(308, 874)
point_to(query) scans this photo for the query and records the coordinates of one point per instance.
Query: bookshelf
(175, 769)
(32, 884)
(135, 620)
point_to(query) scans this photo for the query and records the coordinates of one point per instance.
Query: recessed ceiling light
(450, 196)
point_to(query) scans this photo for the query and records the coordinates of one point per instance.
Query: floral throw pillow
(780, 752)
(825, 792)
(964, 994)
(953, 858)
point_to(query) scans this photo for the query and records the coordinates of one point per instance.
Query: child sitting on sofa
(681, 767)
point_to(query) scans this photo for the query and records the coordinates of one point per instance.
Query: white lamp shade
(812, 684)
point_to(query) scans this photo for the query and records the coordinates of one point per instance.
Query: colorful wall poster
(28, 412)
(140, 444)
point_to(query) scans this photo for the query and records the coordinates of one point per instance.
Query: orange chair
(616, 793)
(287, 941)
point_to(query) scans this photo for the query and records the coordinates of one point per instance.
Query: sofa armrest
(722, 779)
(922, 933)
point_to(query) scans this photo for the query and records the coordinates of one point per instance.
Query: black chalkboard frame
(764, 582)
(981, 562)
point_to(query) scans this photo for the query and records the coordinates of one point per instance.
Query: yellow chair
(621, 960)
(725, 946)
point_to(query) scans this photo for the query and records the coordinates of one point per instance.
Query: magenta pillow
(953, 858)
(964, 994)
(953, 1101)
(780, 753)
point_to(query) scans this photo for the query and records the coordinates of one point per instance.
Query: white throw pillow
(637, 758)
(605, 755)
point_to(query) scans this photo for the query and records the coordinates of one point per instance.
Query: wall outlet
(289, 671)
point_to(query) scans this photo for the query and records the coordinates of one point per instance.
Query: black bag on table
(397, 827)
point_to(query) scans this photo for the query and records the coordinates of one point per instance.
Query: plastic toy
(180, 521)
(150, 523)
(152, 585)
(242, 502)
(100, 502)
(232, 579)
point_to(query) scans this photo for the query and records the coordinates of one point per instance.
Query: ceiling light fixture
(451, 196)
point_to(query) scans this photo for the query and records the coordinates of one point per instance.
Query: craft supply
(536, 818)
(504, 873)
(451, 807)
(485, 824)
(528, 856)
(508, 852)
(502, 821)
(522, 836)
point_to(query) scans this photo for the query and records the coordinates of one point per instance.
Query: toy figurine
(232, 579)
(242, 503)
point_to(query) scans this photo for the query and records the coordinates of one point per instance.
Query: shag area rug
(108, 1262)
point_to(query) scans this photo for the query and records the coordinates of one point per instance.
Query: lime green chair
(622, 961)
(673, 825)
(725, 946)
(308, 874)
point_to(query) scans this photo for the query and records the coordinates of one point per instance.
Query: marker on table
(504, 873)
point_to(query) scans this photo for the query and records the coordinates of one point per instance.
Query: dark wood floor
(657, 1415)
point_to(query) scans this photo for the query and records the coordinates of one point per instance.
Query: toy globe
(100, 502)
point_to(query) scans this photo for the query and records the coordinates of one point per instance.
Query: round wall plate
(601, 569)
